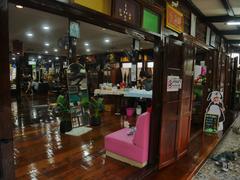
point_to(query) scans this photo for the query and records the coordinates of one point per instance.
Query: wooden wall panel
(183, 134)
(170, 105)
(5, 108)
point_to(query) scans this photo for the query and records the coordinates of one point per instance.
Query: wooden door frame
(6, 124)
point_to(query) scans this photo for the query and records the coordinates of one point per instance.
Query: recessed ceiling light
(29, 34)
(107, 40)
(39, 57)
(50, 60)
(86, 44)
(46, 52)
(46, 27)
(55, 50)
(13, 58)
(46, 44)
(19, 6)
(18, 53)
(57, 58)
(232, 23)
(88, 50)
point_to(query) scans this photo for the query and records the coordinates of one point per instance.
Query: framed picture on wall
(128, 11)
(213, 39)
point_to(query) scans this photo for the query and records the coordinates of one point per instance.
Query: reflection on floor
(41, 152)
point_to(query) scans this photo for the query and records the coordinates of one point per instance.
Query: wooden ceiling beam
(215, 19)
(228, 7)
(233, 41)
(230, 32)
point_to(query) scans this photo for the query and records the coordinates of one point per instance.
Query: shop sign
(102, 6)
(128, 11)
(174, 19)
(74, 29)
(174, 83)
(151, 21)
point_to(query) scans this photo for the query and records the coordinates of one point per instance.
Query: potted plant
(97, 107)
(64, 114)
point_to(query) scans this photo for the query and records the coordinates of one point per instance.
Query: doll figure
(216, 107)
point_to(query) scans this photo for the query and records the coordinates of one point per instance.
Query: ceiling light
(103, 29)
(107, 40)
(29, 34)
(39, 57)
(57, 58)
(46, 44)
(19, 6)
(88, 50)
(13, 58)
(86, 44)
(55, 50)
(46, 52)
(232, 23)
(50, 60)
(18, 53)
(46, 27)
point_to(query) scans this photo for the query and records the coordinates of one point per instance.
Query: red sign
(174, 19)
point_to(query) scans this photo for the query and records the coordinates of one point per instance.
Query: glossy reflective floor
(41, 152)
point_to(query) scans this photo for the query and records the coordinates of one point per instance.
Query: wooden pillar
(156, 103)
(6, 125)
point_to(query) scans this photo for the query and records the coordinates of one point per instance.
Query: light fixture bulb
(45, 27)
(29, 34)
(46, 44)
(107, 40)
(19, 6)
(232, 23)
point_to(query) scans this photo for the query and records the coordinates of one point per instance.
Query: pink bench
(132, 149)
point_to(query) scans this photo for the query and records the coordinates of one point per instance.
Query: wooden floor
(41, 152)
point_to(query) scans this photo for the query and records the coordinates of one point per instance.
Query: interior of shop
(107, 85)
(199, 93)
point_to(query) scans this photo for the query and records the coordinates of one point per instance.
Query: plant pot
(95, 121)
(130, 112)
(65, 126)
(85, 118)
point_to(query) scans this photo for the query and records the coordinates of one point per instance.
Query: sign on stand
(211, 123)
(174, 83)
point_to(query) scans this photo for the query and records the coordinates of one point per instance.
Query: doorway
(40, 65)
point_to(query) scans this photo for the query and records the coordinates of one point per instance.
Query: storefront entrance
(40, 71)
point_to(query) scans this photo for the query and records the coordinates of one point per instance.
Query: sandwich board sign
(211, 123)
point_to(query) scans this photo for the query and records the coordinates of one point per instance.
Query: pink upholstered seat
(133, 147)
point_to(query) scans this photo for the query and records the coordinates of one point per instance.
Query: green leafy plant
(62, 105)
(97, 107)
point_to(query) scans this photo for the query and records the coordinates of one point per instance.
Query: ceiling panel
(232, 37)
(223, 26)
(30, 20)
(210, 7)
(235, 6)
